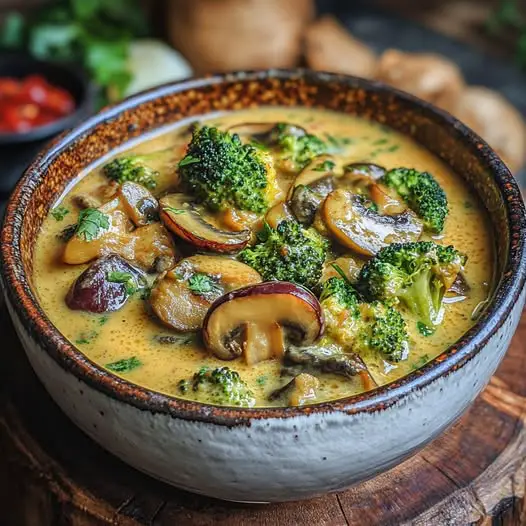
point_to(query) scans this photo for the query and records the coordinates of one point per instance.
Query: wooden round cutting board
(51, 474)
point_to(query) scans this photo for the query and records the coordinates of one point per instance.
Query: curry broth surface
(131, 332)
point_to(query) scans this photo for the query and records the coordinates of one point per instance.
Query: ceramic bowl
(268, 454)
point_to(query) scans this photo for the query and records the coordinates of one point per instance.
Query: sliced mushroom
(177, 306)
(141, 246)
(325, 359)
(179, 214)
(460, 287)
(138, 203)
(385, 202)
(364, 230)
(312, 185)
(86, 201)
(151, 244)
(247, 319)
(277, 214)
(95, 290)
(317, 176)
(300, 390)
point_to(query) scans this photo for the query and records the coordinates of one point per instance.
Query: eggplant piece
(180, 216)
(362, 229)
(138, 203)
(96, 291)
(256, 320)
(179, 304)
(300, 390)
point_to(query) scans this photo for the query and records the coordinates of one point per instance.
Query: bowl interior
(64, 76)
(457, 146)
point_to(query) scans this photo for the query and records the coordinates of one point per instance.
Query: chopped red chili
(31, 102)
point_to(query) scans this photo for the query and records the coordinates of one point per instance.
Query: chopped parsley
(421, 361)
(126, 278)
(175, 339)
(91, 224)
(261, 380)
(337, 144)
(86, 338)
(379, 142)
(103, 320)
(59, 213)
(202, 284)
(125, 365)
(325, 166)
(423, 329)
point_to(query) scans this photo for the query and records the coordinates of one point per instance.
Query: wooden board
(51, 474)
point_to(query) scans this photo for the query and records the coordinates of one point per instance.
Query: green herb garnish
(202, 284)
(91, 224)
(189, 159)
(125, 365)
(103, 320)
(261, 380)
(421, 362)
(380, 142)
(59, 213)
(173, 210)
(126, 278)
(325, 166)
(423, 329)
(86, 338)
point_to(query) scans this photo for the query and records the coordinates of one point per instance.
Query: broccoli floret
(222, 172)
(422, 193)
(363, 327)
(296, 147)
(416, 274)
(132, 168)
(288, 253)
(220, 386)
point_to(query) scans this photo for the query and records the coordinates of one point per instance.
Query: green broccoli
(363, 327)
(288, 253)
(422, 193)
(296, 147)
(415, 274)
(222, 172)
(220, 386)
(132, 168)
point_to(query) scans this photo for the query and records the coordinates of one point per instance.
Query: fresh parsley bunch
(94, 33)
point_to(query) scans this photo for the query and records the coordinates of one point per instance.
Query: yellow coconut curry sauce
(154, 337)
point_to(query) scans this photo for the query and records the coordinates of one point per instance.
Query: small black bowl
(73, 80)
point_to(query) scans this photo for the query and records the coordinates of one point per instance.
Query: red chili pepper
(31, 102)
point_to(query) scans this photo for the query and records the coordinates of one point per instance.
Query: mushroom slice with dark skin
(300, 390)
(179, 214)
(364, 230)
(312, 185)
(182, 297)
(138, 203)
(277, 214)
(105, 285)
(257, 320)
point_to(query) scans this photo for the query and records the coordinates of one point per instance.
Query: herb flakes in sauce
(125, 365)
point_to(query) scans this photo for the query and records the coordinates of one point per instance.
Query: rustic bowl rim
(25, 305)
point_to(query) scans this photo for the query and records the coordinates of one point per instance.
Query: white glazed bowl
(269, 454)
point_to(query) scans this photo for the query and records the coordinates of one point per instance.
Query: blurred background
(61, 60)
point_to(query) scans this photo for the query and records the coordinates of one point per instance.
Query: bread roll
(225, 35)
(426, 75)
(330, 47)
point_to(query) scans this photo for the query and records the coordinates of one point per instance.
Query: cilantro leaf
(91, 224)
(202, 284)
(126, 278)
(59, 213)
(125, 365)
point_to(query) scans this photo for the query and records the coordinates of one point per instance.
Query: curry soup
(140, 317)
